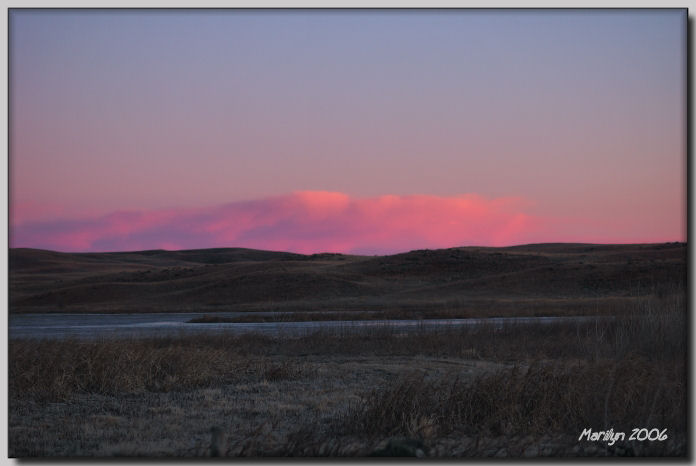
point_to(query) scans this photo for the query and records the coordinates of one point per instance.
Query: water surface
(167, 324)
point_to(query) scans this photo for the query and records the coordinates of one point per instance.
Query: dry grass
(393, 314)
(618, 374)
(458, 309)
(55, 370)
(507, 382)
(541, 398)
(562, 279)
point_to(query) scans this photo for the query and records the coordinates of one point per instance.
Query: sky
(353, 131)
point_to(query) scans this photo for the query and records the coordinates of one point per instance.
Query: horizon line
(561, 243)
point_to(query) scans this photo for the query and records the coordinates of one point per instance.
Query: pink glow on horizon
(317, 221)
(135, 130)
(31, 211)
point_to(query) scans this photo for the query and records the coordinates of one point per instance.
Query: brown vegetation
(489, 390)
(532, 388)
(544, 279)
(543, 397)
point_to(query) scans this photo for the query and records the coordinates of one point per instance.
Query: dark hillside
(477, 279)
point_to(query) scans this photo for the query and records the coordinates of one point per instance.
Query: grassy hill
(537, 279)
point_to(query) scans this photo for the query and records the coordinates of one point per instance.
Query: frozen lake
(167, 324)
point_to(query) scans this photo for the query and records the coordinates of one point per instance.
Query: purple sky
(349, 131)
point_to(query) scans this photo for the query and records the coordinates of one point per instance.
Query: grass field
(484, 391)
(469, 392)
(543, 279)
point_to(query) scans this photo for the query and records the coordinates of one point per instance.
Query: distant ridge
(229, 279)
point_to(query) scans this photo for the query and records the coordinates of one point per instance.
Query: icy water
(97, 326)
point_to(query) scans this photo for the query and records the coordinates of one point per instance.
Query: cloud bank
(304, 222)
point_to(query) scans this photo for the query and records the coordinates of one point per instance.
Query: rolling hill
(546, 278)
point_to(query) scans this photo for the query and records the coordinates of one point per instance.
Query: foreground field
(474, 392)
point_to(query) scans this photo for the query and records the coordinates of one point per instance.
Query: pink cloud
(316, 221)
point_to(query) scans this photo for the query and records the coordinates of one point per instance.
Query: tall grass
(653, 331)
(55, 370)
(527, 400)
(625, 373)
